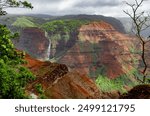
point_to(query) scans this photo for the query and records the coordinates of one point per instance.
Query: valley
(77, 56)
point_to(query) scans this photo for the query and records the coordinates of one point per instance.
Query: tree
(13, 76)
(141, 22)
(13, 3)
(7, 49)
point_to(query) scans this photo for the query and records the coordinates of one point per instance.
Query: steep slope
(95, 48)
(113, 21)
(34, 41)
(58, 82)
(63, 35)
(23, 22)
(100, 50)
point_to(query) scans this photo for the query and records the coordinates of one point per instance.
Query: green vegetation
(13, 3)
(134, 50)
(117, 84)
(63, 26)
(23, 22)
(130, 79)
(62, 32)
(13, 80)
(13, 76)
(40, 91)
(7, 50)
(108, 85)
(38, 88)
(61, 29)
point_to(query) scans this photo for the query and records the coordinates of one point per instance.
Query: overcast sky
(64, 7)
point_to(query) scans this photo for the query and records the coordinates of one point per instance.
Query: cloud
(44, 1)
(97, 3)
(65, 7)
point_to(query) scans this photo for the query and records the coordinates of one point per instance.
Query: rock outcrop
(58, 83)
(138, 92)
(34, 42)
(100, 49)
(74, 85)
(96, 48)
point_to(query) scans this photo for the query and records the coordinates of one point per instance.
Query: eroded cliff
(100, 49)
(33, 41)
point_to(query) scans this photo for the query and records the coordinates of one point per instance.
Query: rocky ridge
(100, 48)
(57, 82)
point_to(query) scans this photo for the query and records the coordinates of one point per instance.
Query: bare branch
(128, 14)
(140, 21)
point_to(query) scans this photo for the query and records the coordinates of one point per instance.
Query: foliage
(134, 50)
(61, 29)
(38, 88)
(23, 22)
(40, 91)
(13, 79)
(108, 85)
(62, 26)
(118, 83)
(7, 50)
(62, 32)
(13, 3)
(13, 76)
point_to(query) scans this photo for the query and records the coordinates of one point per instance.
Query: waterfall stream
(49, 51)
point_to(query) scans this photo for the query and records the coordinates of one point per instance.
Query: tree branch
(140, 22)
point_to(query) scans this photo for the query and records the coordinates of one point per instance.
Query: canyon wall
(34, 42)
(100, 49)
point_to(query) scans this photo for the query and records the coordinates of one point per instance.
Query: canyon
(68, 68)
(100, 49)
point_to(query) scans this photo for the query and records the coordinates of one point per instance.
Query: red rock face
(74, 85)
(100, 49)
(59, 83)
(34, 42)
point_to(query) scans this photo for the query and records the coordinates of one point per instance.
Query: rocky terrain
(100, 49)
(66, 63)
(58, 82)
(33, 41)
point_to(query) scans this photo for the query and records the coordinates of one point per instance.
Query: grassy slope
(24, 22)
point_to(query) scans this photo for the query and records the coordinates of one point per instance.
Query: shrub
(13, 76)
(13, 80)
(107, 84)
(40, 91)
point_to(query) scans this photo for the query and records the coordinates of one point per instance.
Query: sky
(112, 8)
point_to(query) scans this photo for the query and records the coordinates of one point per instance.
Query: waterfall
(49, 50)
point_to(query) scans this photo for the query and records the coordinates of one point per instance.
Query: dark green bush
(13, 76)
(13, 80)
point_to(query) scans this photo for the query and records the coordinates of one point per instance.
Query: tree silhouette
(140, 21)
(13, 3)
